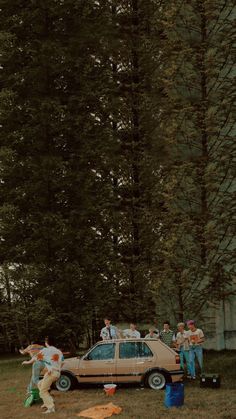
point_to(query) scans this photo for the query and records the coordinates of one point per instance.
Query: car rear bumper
(176, 375)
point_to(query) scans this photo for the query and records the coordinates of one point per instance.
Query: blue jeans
(184, 355)
(36, 369)
(195, 352)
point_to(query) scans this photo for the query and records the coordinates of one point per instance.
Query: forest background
(117, 164)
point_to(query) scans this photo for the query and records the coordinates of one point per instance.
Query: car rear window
(104, 351)
(134, 350)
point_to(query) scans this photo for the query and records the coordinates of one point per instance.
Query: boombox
(210, 380)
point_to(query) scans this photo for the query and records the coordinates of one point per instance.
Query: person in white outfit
(131, 332)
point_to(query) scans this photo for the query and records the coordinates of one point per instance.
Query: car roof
(128, 340)
(135, 340)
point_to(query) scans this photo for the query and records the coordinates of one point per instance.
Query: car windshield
(134, 350)
(103, 351)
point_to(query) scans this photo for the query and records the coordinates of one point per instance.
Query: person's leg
(199, 355)
(30, 385)
(35, 373)
(181, 357)
(186, 356)
(44, 387)
(33, 380)
(192, 362)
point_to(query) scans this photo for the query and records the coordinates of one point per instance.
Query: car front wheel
(65, 382)
(156, 380)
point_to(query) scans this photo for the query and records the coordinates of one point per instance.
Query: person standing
(196, 338)
(109, 331)
(166, 335)
(53, 359)
(182, 344)
(132, 332)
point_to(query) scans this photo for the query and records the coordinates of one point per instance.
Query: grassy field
(137, 403)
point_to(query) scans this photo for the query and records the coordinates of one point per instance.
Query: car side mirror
(86, 358)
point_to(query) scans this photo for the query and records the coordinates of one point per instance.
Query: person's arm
(201, 337)
(126, 333)
(176, 343)
(31, 361)
(103, 334)
(25, 351)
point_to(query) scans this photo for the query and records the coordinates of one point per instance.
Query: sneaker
(189, 376)
(51, 410)
(194, 377)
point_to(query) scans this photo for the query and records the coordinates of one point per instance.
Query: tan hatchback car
(144, 361)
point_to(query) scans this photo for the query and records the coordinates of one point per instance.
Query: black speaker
(210, 380)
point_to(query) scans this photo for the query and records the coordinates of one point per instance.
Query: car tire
(66, 382)
(156, 380)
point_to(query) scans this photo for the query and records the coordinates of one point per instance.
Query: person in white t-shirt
(153, 334)
(182, 345)
(131, 332)
(196, 338)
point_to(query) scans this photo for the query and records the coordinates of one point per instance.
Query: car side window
(134, 350)
(104, 351)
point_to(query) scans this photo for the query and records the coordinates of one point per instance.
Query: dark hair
(166, 322)
(107, 318)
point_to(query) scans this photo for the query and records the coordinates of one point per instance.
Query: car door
(98, 365)
(134, 358)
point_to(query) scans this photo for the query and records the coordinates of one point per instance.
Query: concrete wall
(222, 331)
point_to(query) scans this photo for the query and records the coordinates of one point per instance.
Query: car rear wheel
(156, 380)
(65, 383)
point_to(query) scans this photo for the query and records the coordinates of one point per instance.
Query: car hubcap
(64, 383)
(157, 381)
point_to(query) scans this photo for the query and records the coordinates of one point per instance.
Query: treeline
(116, 163)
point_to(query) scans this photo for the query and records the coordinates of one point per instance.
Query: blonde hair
(181, 324)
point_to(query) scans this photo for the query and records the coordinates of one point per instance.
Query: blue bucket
(174, 395)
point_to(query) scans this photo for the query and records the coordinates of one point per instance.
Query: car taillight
(177, 359)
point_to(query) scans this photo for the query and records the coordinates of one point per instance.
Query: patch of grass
(137, 403)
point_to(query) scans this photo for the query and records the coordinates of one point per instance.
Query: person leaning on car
(109, 331)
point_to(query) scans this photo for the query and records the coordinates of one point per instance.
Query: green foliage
(115, 162)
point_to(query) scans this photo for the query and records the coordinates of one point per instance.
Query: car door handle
(109, 362)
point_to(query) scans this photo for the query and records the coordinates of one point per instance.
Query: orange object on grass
(100, 411)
